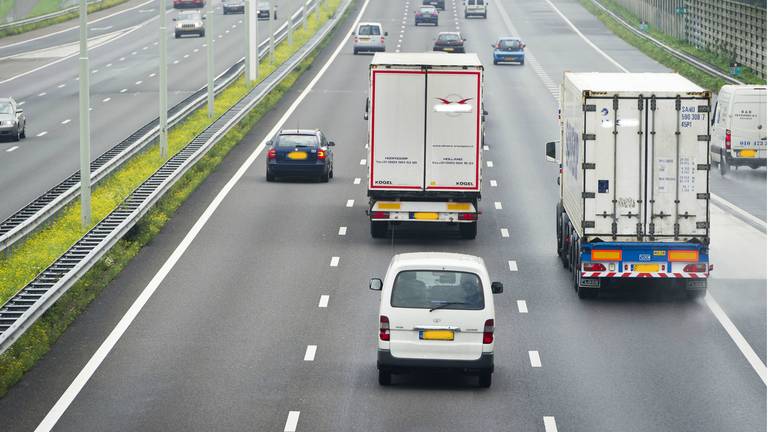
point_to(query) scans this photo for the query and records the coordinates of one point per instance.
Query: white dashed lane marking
(504, 232)
(549, 424)
(309, 355)
(123, 90)
(12, 149)
(66, 121)
(350, 203)
(292, 421)
(497, 205)
(335, 261)
(522, 307)
(22, 103)
(323, 301)
(42, 94)
(342, 231)
(362, 161)
(493, 183)
(106, 99)
(512, 265)
(61, 85)
(486, 148)
(357, 180)
(139, 82)
(535, 359)
(152, 75)
(489, 164)
(43, 133)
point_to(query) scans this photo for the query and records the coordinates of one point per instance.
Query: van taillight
(321, 154)
(383, 328)
(727, 139)
(695, 268)
(488, 332)
(382, 39)
(272, 154)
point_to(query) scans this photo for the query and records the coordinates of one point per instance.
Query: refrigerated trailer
(634, 181)
(425, 119)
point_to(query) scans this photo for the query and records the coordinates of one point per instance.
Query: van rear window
(420, 289)
(369, 30)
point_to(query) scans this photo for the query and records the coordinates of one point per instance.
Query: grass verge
(45, 246)
(691, 72)
(95, 7)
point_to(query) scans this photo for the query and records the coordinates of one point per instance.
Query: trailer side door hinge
(704, 195)
(702, 108)
(702, 225)
(587, 224)
(703, 167)
(588, 137)
(588, 166)
(703, 138)
(587, 194)
(589, 108)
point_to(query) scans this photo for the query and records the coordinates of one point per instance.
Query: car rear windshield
(5, 108)
(448, 37)
(189, 16)
(285, 141)
(264, 6)
(510, 44)
(476, 2)
(428, 10)
(369, 30)
(422, 289)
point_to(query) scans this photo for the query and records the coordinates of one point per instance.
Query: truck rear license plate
(426, 216)
(646, 268)
(446, 335)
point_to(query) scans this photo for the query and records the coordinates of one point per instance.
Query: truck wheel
(378, 229)
(724, 168)
(385, 377)
(468, 230)
(485, 379)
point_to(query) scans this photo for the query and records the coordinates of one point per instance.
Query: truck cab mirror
(375, 284)
(551, 151)
(497, 287)
(19, 111)
(485, 112)
(386, 33)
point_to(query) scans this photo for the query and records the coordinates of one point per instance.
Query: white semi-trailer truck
(425, 126)
(634, 181)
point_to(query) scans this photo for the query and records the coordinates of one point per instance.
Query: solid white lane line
(357, 180)
(489, 163)
(504, 232)
(497, 205)
(43, 133)
(309, 355)
(522, 306)
(350, 203)
(66, 121)
(292, 421)
(737, 338)
(107, 99)
(549, 424)
(362, 161)
(109, 343)
(535, 359)
(11, 149)
(335, 261)
(493, 183)
(342, 231)
(323, 301)
(512, 265)
(725, 203)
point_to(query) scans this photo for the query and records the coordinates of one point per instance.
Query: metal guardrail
(679, 54)
(23, 309)
(40, 18)
(27, 219)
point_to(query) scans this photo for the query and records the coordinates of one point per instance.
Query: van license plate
(426, 216)
(747, 153)
(646, 268)
(446, 335)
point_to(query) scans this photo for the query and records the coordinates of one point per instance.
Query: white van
(476, 8)
(369, 37)
(436, 312)
(738, 127)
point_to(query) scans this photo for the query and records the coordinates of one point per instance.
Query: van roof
(733, 88)
(632, 82)
(426, 58)
(438, 260)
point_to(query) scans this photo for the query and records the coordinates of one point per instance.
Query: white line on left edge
(109, 343)
(292, 421)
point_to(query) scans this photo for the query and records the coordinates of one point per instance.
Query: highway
(124, 79)
(242, 283)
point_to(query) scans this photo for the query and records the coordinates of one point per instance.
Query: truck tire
(468, 230)
(270, 177)
(724, 168)
(378, 229)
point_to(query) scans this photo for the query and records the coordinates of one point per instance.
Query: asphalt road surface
(222, 342)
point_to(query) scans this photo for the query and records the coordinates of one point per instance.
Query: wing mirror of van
(386, 33)
(331, 144)
(551, 150)
(19, 111)
(375, 284)
(497, 287)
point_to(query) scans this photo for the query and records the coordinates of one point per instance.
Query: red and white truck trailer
(634, 181)
(425, 131)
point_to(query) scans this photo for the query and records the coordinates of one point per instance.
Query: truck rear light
(727, 139)
(379, 215)
(384, 328)
(695, 268)
(488, 332)
(321, 154)
(606, 255)
(683, 255)
(468, 216)
(272, 154)
(593, 267)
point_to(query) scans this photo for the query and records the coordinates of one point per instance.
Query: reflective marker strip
(292, 421)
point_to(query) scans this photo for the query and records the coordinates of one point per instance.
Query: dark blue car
(300, 153)
(509, 49)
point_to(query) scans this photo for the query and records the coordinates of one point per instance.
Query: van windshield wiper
(442, 305)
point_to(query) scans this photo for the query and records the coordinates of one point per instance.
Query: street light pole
(209, 38)
(251, 46)
(272, 31)
(163, 82)
(85, 121)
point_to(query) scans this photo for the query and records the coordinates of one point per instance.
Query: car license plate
(747, 153)
(448, 49)
(446, 335)
(364, 38)
(426, 216)
(296, 155)
(646, 268)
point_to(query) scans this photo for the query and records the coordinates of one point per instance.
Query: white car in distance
(436, 312)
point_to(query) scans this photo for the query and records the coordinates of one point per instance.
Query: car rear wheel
(270, 177)
(468, 230)
(325, 177)
(385, 377)
(23, 132)
(17, 137)
(354, 51)
(485, 379)
(176, 35)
